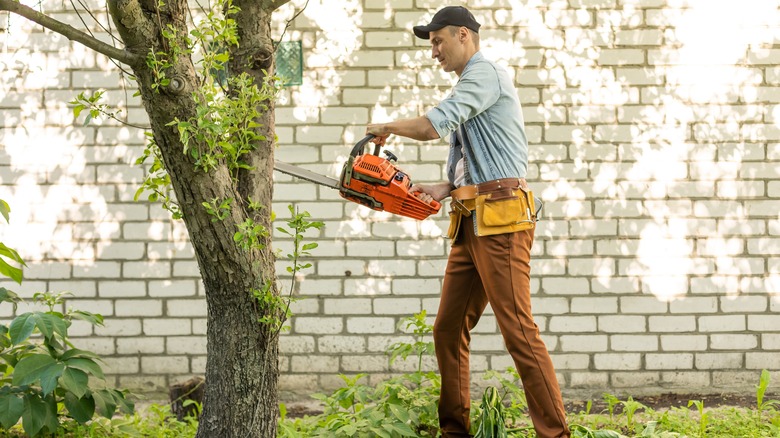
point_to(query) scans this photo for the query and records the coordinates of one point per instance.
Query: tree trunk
(241, 367)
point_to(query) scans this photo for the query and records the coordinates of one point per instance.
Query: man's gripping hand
(431, 192)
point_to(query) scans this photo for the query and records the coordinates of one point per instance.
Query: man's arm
(418, 128)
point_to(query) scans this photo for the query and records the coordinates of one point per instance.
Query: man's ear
(463, 34)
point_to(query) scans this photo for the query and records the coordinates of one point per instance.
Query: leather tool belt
(500, 206)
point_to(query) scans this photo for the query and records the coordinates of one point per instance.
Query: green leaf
(7, 296)
(87, 365)
(309, 246)
(49, 324)
(75, 352)
(76, 381)
(11, 408)
(92, 318)
(80, 408)
(105, 405)
(39, 413)
(50, 377)
(4, 210)
(31, 368)
(11, 272)
(21, 328)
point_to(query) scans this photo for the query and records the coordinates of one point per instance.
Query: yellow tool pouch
(505, 211)
(455, 218)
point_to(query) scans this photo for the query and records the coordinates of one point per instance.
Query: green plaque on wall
(289, 62)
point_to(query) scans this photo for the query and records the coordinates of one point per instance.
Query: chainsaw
(371, 180)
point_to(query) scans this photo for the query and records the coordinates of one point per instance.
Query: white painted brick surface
(655, 265)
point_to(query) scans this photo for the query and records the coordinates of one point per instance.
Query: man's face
(447, 48)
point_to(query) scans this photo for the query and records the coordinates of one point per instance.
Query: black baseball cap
(448, 16)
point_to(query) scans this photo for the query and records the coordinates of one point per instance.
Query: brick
(172, 288)
(289, 344)
(314, 364)
(139, 307)
(120, 365)
(47, 270)
(666, 361)
(641, 343)
(694, 305)
(314, 325)
(584, 343)
(565, 286)
(167, 326)
(621, 324)
(99, 346)
(686, 379)
(140, 345)
(186, 345)
(164, 364)
(347, 306)
(589, 380)
(719, 361)
(642, 305)
(97, 270)
(396, 306)
(119, 327)
(78, 289)
(487, 342)
(770, 341)
(743, 304)
(593, 305)
(617, 361)
(370, 325)
(122, 289)
(341, 344)
(721, 323)
(145, 269)
(762, 323)
(365, 363)
(684, 342)
(186, 307)
(416, 287)
(572, 324)
(733, 342)
(761, 360)
(672, 323)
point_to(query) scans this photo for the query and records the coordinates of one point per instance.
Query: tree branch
(276, 4)
(70, 32)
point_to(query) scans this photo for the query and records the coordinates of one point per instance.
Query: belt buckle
(460, 207)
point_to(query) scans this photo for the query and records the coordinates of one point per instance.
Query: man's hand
(380, 133)
(431, 192)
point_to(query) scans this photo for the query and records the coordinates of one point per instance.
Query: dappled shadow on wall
(654, 134)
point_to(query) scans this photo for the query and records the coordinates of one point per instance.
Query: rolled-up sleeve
(477, 89)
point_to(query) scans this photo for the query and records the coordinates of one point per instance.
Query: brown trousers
(495, 270)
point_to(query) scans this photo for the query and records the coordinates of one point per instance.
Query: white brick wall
(656, 265)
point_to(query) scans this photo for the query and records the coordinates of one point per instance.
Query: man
(489, 260)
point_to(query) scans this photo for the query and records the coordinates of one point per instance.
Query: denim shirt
(484, 110)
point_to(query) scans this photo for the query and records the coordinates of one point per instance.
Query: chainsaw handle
(359, 146)
(436, 205)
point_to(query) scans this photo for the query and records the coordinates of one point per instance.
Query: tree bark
(241, 366)
(242, 357)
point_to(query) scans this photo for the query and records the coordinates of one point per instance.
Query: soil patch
(656, 402)
(666, 401)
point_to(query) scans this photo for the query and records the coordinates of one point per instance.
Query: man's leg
(462, 302)
(503, 262)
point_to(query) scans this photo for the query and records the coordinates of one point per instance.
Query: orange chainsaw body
(377, 183)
